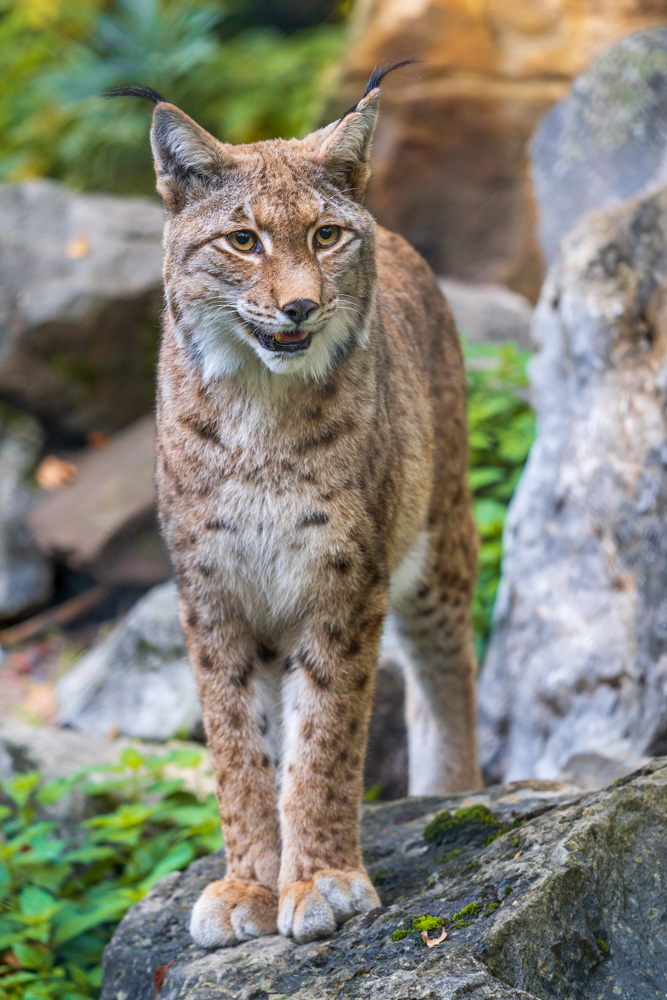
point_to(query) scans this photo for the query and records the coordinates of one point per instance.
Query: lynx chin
(312, 479)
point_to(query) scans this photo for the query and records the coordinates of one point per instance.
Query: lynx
(311, 476)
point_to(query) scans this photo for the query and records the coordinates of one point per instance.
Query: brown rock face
(450, 170)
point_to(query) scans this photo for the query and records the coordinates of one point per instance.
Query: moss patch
(468, 821)
(423, 923)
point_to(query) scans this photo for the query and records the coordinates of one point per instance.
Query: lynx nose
(299, 309)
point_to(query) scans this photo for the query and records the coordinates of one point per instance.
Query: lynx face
(269, 254)
(272, 276)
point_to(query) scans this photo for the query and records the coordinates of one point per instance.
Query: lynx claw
(229, 912)
(312, 909)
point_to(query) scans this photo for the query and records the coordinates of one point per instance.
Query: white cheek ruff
(221, 346)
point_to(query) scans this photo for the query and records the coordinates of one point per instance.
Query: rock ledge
(565, 901)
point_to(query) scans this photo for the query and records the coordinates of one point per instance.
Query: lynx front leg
(236, 691)
(327, 701)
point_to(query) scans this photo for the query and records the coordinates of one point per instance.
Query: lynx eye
(326, 236)
(243, 239)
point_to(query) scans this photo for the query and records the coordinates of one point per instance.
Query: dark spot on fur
(353, 647)
(315, 673)
(193, 619)
(315, 517)
(265, 652)
(288, 665)
(234, 719)
(204, 429)
(265, 761)
(334, 633)
(340, 562)
(204, 569)
(307, 731)
(362, 681)
(328, 435)
(244, 675)
(218, 524)
(205, 662)
(263, 725)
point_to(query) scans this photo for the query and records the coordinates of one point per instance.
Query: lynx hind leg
(431, 603)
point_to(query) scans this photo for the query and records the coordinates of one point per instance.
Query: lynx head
(269, 253)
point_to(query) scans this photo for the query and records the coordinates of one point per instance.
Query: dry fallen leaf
(158, 977)
(97, 439)
(432, 942)
(53, 472)
(10, 959)
(40, 702)
(78, 247)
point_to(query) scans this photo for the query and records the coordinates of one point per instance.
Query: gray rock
(26, 577)
(566, 903)
(487, 313)
(607, 141)
(55, 752)
(575, 679)
(138, 680)
(104, 522)
(80, 298)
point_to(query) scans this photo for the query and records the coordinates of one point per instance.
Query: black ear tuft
(376, 78)
(139, 91)
(379, 73)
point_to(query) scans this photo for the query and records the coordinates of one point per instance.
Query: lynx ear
(343, 148)
(187, 158)
(346, 145)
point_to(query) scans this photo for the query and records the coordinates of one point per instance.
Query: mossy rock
(576, 911)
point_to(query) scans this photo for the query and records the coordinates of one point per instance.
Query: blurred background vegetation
(245, 69)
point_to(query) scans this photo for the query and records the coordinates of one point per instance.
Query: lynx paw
(228, 912)
(310, 910)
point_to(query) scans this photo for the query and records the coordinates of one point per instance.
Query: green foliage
(61, 894)
(241, 79)
(502, 428)
(469, 819)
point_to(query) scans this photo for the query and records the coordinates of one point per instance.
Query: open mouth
(285, 342)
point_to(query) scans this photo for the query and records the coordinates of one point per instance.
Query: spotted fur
(302, 492)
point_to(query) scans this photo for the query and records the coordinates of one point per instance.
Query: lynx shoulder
(311, 473)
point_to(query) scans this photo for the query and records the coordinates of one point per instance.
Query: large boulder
(450, 163)
(104, 522)
(541, 900)
(80, 299)
(577, 664)
(138, 680)
(26, 576)
(607, 141)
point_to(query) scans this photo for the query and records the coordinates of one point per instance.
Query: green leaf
(31, 957)
(36, 903)
(107, 911)
(132, 758)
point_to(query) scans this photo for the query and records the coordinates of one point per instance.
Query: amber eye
(326, 236)
(243, 239)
